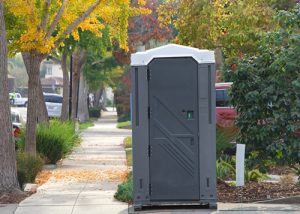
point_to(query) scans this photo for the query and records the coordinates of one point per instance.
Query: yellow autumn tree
(232, 25)
(43, 25)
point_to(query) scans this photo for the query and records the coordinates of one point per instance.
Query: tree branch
(56, 19)
(46, 15)
(76, 22)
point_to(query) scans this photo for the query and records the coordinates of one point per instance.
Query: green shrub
(95, 112)
(28, 166)
(296, 169)
(124, 125)
(54, 140)
(224, 137)
(125, 190)
(266, 92)
(225, 169)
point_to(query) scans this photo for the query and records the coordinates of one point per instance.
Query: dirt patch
(254, 191)
(10, 198)
(81, 175)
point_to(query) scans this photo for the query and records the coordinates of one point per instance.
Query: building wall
(53, 70)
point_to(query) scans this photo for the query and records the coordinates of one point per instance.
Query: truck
(18, 100)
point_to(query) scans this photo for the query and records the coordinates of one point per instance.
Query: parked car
(225, 113)
(53, 104)
(17, 122)
(18, 100)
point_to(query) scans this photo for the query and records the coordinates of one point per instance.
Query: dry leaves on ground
(82, 175)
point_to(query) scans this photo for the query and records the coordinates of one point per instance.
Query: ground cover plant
(125, 190)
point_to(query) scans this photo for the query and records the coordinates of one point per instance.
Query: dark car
(53, 104)
(225, 113)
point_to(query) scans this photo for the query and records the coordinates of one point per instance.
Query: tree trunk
(8, 168)
(32, 61)
(219, 63)
(42, 113)
(104, 100)
(98, 96)
(65, 104)
(83, 110)
(42, 109)
(79, 59)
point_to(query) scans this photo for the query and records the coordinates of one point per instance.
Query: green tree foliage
(235, 26)
(100, 67)
(266, 93)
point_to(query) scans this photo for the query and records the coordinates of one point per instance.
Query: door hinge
(149, 112)
(148, 74)
(149, 151)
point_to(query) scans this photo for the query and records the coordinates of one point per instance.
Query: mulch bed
(254, 191)
(279, 170)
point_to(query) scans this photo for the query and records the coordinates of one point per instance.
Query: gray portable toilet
(174, 131)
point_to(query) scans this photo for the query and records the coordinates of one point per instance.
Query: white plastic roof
(172, 50)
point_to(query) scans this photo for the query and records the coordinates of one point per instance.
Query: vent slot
(207, 182)
(209, 95)
(141, 183)
(136, 91)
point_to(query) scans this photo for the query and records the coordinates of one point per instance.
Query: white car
(17, 122)
(53, 104)
(19, 100)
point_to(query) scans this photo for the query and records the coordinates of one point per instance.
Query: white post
(240, 164)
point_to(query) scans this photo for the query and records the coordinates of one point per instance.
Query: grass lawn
(124, 125)
(86, 124)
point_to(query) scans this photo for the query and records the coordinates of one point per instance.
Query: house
(52, 85)
(53, 81)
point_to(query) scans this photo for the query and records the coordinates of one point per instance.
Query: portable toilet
(174, 131)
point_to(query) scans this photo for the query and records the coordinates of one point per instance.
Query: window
(222, 98)
(49, 70)
(53, 99)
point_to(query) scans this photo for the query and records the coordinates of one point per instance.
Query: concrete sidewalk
(100, 154)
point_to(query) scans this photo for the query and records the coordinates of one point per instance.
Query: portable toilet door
(173, 128)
